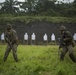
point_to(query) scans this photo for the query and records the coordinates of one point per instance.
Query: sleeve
(68, 36)
(15, 37)
(6, 37)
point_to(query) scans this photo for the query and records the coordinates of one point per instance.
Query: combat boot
(4, 60)
(72, 57)
(61, 57)
(16, 59)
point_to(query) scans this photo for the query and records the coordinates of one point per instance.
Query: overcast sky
(24, 0)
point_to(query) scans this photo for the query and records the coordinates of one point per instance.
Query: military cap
(9, 26)
(62, 28)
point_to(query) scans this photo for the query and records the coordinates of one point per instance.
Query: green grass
(36, 60)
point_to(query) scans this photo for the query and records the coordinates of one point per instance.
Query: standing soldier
(66, 43)
(12, 42)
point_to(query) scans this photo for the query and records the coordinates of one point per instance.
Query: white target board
(45, 37)
(2, 36)
(74, 36)
(25, 36)
(53, 37)
(33, 36)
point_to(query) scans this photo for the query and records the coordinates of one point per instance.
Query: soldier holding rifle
(12, 42)
(67, 44)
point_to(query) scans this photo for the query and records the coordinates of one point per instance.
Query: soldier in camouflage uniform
(12, 42)
(66, 43)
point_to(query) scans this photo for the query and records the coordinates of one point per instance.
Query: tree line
(38, 7)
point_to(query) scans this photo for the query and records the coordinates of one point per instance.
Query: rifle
(9, 43)
(62, 43)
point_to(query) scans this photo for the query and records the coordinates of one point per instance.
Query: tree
(29, 4)
(45, 6)
(8, 7)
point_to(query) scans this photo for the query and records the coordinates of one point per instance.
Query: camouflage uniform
(66, 43)
(12, 42)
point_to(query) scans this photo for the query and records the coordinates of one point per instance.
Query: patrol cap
(9, 26)
(62, 28)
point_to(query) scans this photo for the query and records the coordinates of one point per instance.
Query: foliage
(38, 7)
(36, 60)
(9, 7)
(28, 19)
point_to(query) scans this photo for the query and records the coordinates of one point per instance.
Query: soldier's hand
(10, 43)
(65, 39)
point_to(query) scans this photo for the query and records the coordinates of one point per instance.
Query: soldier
(12, 42)
(66, 43)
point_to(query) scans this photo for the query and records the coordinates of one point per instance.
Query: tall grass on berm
(36, 60)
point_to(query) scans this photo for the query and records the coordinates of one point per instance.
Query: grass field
(36, 60)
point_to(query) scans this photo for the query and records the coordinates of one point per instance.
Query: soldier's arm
(68, 36)
(6, 38)
(15, 37)
(61, 43)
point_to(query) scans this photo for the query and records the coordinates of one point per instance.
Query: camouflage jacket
(66, 38)
(11, 36)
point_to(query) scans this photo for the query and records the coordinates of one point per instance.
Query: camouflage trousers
(70, 50)
(14, 52)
